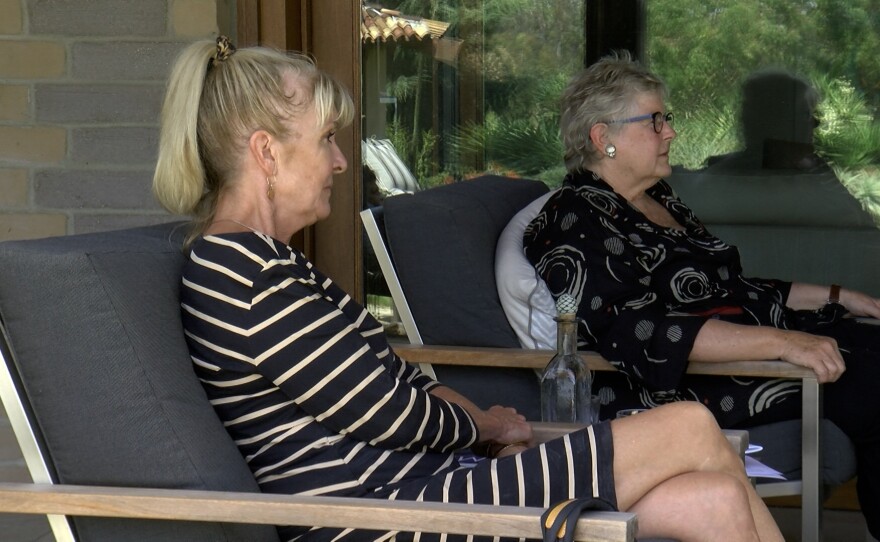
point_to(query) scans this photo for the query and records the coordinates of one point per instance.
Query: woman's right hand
(815, 352)
(510, 425)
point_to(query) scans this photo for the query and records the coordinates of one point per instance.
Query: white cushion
(392, 175)
(526, 300)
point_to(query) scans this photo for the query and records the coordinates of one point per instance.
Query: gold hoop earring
(270, 188)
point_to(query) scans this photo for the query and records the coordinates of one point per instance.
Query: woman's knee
(707, 440)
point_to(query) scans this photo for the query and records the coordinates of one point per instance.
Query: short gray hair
(606, 90)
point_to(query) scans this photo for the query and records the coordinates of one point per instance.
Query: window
(455, 89)
(778, 146)
(778, 85)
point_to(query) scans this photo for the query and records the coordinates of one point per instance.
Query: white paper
(756, 469)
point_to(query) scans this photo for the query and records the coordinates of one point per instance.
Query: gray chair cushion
(461, 274)
(450, 286)
(94, 322)
(782, 450)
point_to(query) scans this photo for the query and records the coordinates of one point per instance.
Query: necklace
(242, 224)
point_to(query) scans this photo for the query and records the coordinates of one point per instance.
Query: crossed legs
(677, 471)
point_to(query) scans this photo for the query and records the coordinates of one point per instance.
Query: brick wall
(81, 85)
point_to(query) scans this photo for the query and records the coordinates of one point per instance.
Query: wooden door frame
(330, 33)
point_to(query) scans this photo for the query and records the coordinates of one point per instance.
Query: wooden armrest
(537, 359)
(260, 508)
(544, 431)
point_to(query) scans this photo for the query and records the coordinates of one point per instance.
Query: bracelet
(511, 445)
(834, 294)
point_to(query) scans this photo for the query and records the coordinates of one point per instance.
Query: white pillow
(526, 300)
(392, 175)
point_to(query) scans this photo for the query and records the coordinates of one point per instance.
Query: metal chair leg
(811, 461)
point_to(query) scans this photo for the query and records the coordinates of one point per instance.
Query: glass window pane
(778, 143)
(456, 88)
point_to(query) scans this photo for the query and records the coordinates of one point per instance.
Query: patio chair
(437, 250)
(117, 433)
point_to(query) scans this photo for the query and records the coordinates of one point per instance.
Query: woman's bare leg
(654, 447)
(697, 506)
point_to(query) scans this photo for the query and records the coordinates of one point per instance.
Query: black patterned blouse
(644, 291)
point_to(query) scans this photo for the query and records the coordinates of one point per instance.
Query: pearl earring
(610, 150)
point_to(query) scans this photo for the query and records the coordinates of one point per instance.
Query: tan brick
(26, 59)
(14, 104)
(32, 225)
(13, 187)
(44, 144)
(194, 18)
(10, 17)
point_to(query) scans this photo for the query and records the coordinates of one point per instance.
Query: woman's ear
(599, 135)
(260, 148)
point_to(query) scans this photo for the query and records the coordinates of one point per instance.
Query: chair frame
(57, 501)
(809, 487)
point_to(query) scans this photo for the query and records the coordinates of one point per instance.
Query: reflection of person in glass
(655, 289)
(778, 119)
(303, 377)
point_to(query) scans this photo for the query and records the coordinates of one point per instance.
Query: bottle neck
(566, 335)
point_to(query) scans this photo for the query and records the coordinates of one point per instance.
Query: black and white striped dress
(318, 403)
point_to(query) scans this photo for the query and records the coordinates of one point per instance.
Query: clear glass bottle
(566, 381)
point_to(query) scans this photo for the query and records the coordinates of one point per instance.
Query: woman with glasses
(657, 290)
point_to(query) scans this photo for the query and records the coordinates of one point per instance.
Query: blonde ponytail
(179, 181)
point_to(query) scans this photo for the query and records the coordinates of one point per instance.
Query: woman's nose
(340, 164)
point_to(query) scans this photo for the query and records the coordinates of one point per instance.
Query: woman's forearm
(719, 341)
(497, 424)
(804, 296)
(724, 341)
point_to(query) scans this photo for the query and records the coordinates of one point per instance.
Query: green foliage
(524, 146)
(707, 49)
(848, 136)
(417, 153)
(527, 50)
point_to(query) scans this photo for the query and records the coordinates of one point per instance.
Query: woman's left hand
(860, 304)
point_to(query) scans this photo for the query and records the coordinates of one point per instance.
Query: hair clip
(224, 49)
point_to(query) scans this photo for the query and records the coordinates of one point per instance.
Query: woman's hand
(860, 304)
(815, 352)
(511, 426)
(514, 433)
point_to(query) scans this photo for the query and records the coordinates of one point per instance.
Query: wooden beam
(258, 508)
(537, 359)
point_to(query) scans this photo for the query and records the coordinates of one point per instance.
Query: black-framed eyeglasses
(657, 118)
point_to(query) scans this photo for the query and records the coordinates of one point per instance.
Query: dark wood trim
(330, 33)
(614, 25)
(334, 41)
(247, 22)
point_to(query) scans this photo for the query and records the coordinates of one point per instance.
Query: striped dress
(318, 403)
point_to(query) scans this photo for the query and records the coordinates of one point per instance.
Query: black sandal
(556, 520)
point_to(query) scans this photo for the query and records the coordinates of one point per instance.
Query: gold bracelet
(511, 445)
